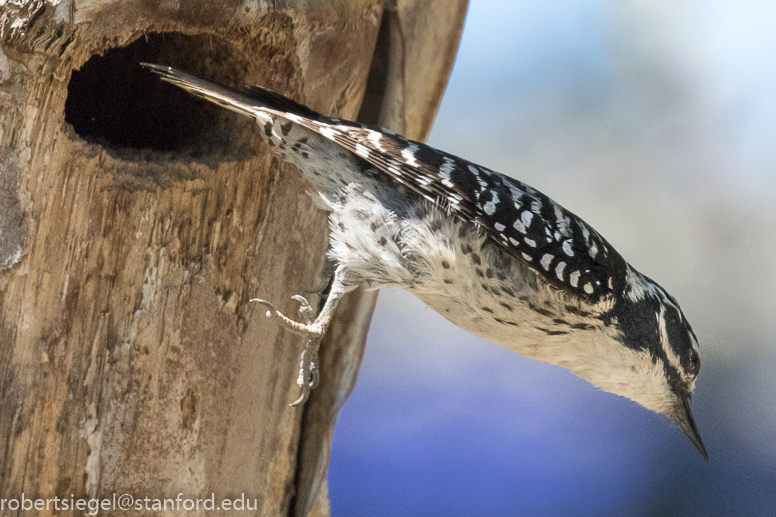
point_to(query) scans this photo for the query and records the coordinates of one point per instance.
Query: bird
(491, 254)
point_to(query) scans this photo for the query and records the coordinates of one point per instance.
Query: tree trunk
(136, 222)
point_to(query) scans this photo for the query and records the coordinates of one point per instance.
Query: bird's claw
(305, 309)
(313, 328)
(308, 328)
(309, 373)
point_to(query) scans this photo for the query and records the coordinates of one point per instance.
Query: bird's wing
(552, 241)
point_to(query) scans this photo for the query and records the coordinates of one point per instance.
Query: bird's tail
(251, 101)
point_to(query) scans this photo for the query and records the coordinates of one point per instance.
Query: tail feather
(249, 101)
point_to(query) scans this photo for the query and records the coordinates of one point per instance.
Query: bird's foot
(310, 327)
(313, 328)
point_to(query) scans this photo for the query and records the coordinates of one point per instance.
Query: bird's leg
(312, 328)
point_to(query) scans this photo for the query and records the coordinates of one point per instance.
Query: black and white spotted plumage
(491, 254)
(552, 241)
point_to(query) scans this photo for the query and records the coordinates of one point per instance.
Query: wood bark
(135, 225)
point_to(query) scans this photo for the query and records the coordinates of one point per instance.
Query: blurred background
(656, 122)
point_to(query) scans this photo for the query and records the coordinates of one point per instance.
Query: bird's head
(663, 351)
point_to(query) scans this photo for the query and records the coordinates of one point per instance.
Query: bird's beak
(683, 417)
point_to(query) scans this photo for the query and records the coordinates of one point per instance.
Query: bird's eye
(695, 363)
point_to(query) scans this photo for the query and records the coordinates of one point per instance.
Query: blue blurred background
(656, 122)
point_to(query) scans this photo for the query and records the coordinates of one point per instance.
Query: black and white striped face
(653, 325)
(651, 320)
(680, 345)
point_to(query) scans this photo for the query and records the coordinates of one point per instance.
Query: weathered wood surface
(130, 358)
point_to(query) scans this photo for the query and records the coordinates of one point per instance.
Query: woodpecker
(493, 255)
